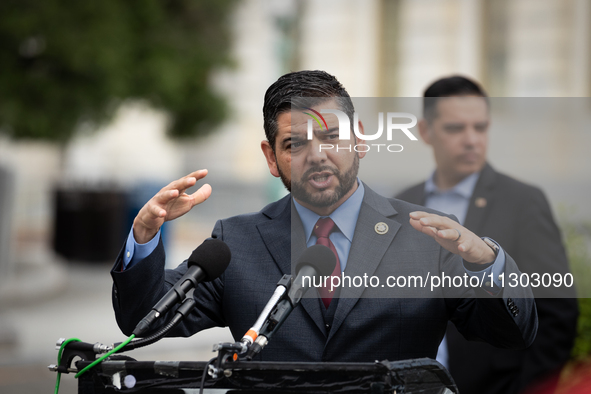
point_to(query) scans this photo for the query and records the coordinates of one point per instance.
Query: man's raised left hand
(453, 237)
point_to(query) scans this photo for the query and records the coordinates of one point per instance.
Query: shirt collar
(465, 188)
(345, 216)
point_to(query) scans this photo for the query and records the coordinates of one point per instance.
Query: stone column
(538, 48)
(437, 38)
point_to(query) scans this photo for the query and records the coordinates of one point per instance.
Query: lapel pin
(381, 228)
(480, 202)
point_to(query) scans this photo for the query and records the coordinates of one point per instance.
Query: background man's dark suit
(519, 218)
(362, 329)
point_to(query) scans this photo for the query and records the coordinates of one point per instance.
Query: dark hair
(313, 87)
(448, 87)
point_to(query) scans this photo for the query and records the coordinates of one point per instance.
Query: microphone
(206, 263)
(316, 261)
(282, 286)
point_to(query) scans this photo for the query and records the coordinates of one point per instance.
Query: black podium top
(425, 376)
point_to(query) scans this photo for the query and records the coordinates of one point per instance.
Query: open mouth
(320, 180)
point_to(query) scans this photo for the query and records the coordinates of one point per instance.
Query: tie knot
(323, 227)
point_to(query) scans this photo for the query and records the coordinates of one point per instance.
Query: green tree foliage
(63, 62)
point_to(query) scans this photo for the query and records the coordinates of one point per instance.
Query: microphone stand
(229, 352)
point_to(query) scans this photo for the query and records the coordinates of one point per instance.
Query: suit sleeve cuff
(488, 272)
(135, 252)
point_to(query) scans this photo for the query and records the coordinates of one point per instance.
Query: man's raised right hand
(169, 203)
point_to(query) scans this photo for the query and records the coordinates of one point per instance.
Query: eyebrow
(301, 136)
(454, 125)
(461, 125)
(331, 130)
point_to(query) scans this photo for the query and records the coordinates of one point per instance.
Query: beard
(322, 197)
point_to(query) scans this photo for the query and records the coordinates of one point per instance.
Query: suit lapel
(367, 249)
(275, 233)
(481, 200)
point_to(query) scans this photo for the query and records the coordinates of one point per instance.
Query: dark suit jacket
(519, 218)
(363, 329)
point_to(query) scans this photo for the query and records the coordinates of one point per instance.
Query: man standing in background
(518, 216)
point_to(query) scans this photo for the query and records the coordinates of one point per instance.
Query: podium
(425, 376)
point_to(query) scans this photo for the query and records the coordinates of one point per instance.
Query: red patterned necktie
(322, 229)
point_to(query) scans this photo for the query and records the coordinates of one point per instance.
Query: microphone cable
(59, 360)
(129, 344)
(186, 307)
(104, 356)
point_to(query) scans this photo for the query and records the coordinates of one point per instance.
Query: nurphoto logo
(345, 134)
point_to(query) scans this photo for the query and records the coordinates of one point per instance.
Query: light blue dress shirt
(453, 201)
(135, 252)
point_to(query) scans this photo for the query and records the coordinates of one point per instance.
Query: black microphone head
(320, 257)
(213, 256)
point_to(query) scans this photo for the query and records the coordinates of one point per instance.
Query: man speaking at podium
(369, 235)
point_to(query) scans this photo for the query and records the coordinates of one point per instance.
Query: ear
(359, 140)
(270, 157)
(424, 131)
